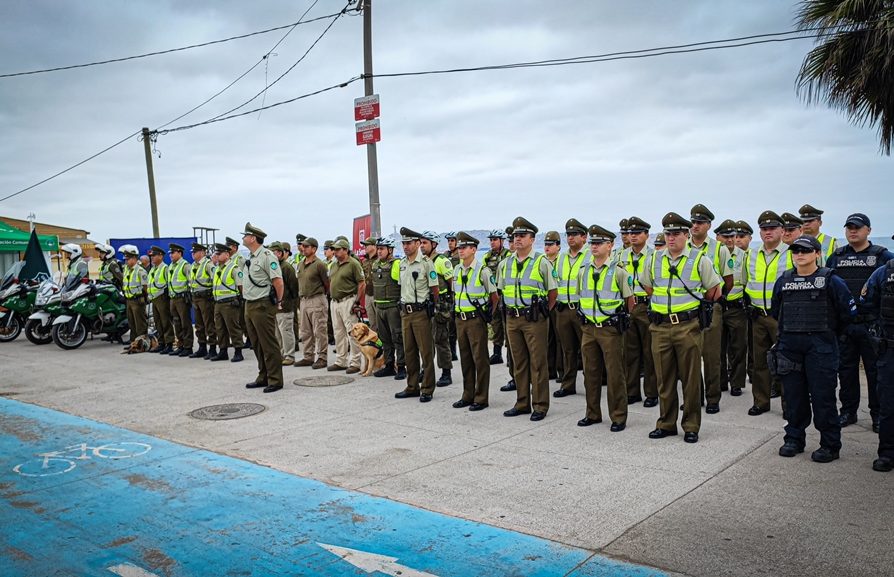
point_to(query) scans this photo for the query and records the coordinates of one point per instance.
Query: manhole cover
(325, 381)
(228, 411)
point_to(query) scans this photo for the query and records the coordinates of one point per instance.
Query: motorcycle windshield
(12, 274)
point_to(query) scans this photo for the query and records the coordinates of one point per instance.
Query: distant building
(66, 235)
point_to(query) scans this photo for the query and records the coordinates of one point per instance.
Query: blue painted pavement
(81, 498)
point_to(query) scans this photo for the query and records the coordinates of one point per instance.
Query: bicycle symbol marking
(60, 462)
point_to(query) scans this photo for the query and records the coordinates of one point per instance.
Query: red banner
(362, 230)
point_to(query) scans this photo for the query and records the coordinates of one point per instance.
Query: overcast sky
(595, 141)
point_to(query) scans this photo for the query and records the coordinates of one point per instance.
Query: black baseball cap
(857, 219)
(808, 242)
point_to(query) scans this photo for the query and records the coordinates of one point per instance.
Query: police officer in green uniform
(680, 280)
(812, 219)
(660, 241)
(744, 234)
(476, 299)
(552, 246)
(734, 349)
(712, 337)
(385, 279)
(606, 294)
(440, 323)
(369, 247)
(239, 261)
(227, 292)
(262, 288)
(110, 269)
(161, 302)
(637, 338)
(285, 319)
(295, 261)
(791, 228)
(419, 292)
(529, 286)
(313, 286)
(136, 283)
(565, 314)
(329, 260)
(178, 290)
(492, 260)
(452, 253)
(763, 267)
(200, 280)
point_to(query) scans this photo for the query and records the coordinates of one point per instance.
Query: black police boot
(185, 353)
(510, 386)
(445, 379)
(401, 373)
(200, 352)
(497, 357)
(212, 352)
(221, 356)
(386, 371)
(237, 356)
(167, 350)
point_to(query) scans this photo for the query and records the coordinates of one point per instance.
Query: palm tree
(852, 67)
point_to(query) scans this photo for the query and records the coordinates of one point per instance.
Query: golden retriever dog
(141, 344)
(370, 347)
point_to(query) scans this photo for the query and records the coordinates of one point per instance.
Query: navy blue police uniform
(811, 310)
(855, 268)
(878, 297)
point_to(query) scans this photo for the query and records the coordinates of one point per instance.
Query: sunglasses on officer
(801, 250)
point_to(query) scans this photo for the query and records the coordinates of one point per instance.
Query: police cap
(727, 228)
(409, 235)
(509, 230)
(790, 221)
(808, 242)
(310, 241)
(636, 224)
(275, 245)
(232, 242)
(521, 224)
(369, 241)
(552, 236)
(673, 222)
(808, 212)
(659, 240)
(341, 243)
(218, 248)
(857, 219)
(769, 219)
(743, 227)
(286, 246)
(328, 244)
(156, 250)
(574, 226)
(254, 231)
(700, 213)
(597, 234)
(196, 247)
(174, 247)
(465, 239)
(299, 238)
(622, 226)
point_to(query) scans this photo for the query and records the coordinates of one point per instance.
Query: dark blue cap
(857, 219)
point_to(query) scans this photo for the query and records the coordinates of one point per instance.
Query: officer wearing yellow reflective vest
(565, 314)
(227, 292)
(440, 323)
(178, 290)
(475, 302)
(492, 260)
(701, 218)
(385, 280)
(606, 294)
(161, 302)
(683, 285)
(200, 280)
(744, 234)
(637, 338)
(812, 219)
(529, 286)
(763, 267)
(135, 287)
(552, 246)
(233, 245)
(734, 346)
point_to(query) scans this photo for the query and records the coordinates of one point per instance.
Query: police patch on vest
(819, 282)
(870, 260)
(731, 263)
(493, 278)
(273, 265)
(240, 274)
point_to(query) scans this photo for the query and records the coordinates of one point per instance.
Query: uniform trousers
(569, 334)
(260, 319)
(285, 333)
(203, 305)
(602, 348)
(161, 314)
(764, 332)
(638, 354)
(136, 317)
(314, 314)
(811, 385)
(527, 340)
(440, 334)
(856, 346)
(885, 390)
(371, 313)
(391, 333)
(735, 353)
(498, 337)
(416, 327)
(712, 338)
(474, 359)
(347, 351)
(228, 323)
(677, 352)
(182, 322)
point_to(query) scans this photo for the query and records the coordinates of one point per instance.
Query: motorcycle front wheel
(69, 339)
(37, 333)
(11, 328)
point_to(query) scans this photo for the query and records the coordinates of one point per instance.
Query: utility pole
(372, 160)
(151, 176)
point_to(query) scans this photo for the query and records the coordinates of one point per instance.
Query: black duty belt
(759, 311)
(517, 312)
(178, 295)
(201, 294)
(227, 300)
(409, 308)
(386, 305)
(642, 300)
(736, 304)
(677, 318)
(467, 315)
(560, 306)
(610, 322)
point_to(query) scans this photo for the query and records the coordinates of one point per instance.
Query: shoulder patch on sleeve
(731, 262)
(273, 265)
(433, 275)
(555, 274)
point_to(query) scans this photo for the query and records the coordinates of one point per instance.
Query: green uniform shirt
(417, 290)
(289, 286)
(312, 277)
(258, 273)
(368, 264)
(706, 271)
(345, 278)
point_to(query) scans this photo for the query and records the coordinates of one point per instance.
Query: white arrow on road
(128, 570)
(372, 562)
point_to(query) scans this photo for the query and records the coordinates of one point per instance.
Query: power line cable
(168, 51)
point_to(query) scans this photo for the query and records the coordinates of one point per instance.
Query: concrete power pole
(151, 176)
(371, 156)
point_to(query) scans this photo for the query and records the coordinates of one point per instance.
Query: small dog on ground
(141, 344)
(370, 347)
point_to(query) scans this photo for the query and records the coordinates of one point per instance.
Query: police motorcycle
(47, 304)
(14, 303)
(88, 309)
